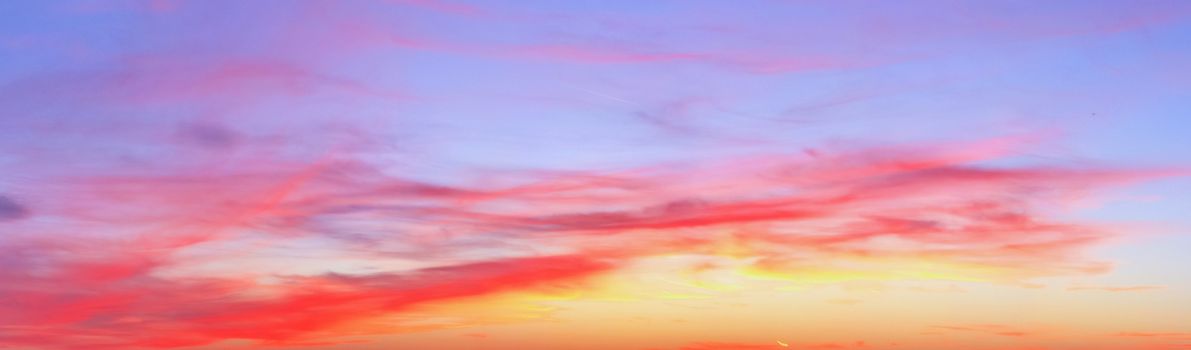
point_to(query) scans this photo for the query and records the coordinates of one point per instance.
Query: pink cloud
(868, 194)
(184, 170)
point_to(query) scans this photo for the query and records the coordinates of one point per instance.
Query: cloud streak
(308, 185)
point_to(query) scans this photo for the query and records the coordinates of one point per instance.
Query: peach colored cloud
(993, 329)
(1115, 288)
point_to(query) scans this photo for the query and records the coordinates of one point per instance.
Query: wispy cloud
(273, 185)
(993, 329)
(988, 233)
(1115, 288)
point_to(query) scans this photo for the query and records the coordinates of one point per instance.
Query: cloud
(140, 310)
(450, 7)
(993, 329)
(728, 346)
(11, 210)
(208, 135)
(176, 260)
(253, 192)
(1154, 334)
(1115, 288)
(774, 345)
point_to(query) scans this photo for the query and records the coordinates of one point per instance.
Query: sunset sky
(595, 175)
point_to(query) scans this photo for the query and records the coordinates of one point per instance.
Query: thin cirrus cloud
(897, 40)
(1114, 288)
(1155, 335)
(958, 215)
(276, 186)
(993, 329)
(99, 289)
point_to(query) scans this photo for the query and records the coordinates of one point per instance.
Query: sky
(591, 175)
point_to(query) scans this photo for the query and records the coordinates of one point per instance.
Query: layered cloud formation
(303, 175)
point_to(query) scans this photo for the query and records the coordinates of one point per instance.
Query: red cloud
(153, 312)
